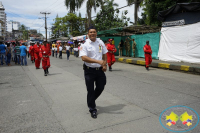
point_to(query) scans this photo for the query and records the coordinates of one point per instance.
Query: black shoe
(37, 68)
(110, 68)
(47, 70)
(94, 115)
(147, 68)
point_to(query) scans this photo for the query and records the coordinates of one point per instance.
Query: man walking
(60, 51)
(23, 52)
(67, 51)
(147, 54)
(53, 48)
(17, 50)
(110, 55)
(31, 51)
(2, 52)
(45, 52)
(36, 49)
(93, 53)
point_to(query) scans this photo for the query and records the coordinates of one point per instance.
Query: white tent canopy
(180, 43)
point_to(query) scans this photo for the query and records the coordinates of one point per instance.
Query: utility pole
(45, 13)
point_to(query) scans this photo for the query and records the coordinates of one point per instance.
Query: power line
(45, 13)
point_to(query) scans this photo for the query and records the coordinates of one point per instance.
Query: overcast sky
(28, 11)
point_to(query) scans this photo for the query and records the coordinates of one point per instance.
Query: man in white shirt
(93, 53)
(56, 52)
(60, 51)
(27, 47)
(68, 51)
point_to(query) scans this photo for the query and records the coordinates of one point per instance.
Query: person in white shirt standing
(68, 50)
(27, 47)
(60, 51)
(93, 53)
(76, 51)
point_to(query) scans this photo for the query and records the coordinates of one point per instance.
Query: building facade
(2, 21)
(12, 25)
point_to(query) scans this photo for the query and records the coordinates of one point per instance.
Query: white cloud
(28, 11)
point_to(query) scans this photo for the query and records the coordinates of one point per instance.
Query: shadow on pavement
(113, 109)
(115, 70)
(54, 74)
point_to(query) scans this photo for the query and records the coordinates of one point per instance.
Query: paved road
(131, 102)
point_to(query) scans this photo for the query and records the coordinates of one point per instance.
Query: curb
(155, 64)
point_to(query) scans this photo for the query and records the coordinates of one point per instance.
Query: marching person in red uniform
(110, 54)
(31, 51)
(36, 49)
(45, 52)
(147, 54)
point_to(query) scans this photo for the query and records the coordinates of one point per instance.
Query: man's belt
(45, 56)
(91, 68)
(110, 51)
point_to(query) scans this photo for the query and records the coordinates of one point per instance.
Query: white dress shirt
(60, 48)
(67, 47)
(94, 50)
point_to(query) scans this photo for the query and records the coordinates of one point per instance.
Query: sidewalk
(180, 66)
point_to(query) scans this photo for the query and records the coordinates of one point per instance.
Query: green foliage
(25, 32)
(69, 24)
(108, 17)
(152, 7)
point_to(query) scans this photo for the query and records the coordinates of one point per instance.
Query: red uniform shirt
(30, 49)
(147, 49)
(45, 50)
(36, 48)
(111, 48)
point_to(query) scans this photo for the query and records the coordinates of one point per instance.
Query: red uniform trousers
(45, 63)
(32, 55)
(37, 60)
(148, 59)
(110, 58)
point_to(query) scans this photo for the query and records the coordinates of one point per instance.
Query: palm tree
(137, 5)
(92, 4)
(76, 4)
(73, 5)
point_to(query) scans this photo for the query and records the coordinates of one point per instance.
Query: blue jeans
(3, 56)
(68, 54)
(17, 59)
(23, 58)
(8, 58)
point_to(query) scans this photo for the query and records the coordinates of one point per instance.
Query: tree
(73, 5)
(25, 32)
(108, 17)
(69, 24)
(152, 7)
(137, 5)
(92, 4)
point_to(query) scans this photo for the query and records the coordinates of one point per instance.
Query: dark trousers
(99, 78)
(60, 54)
(68, 54)
(56, 54)
(8, 58)
(53, 53)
